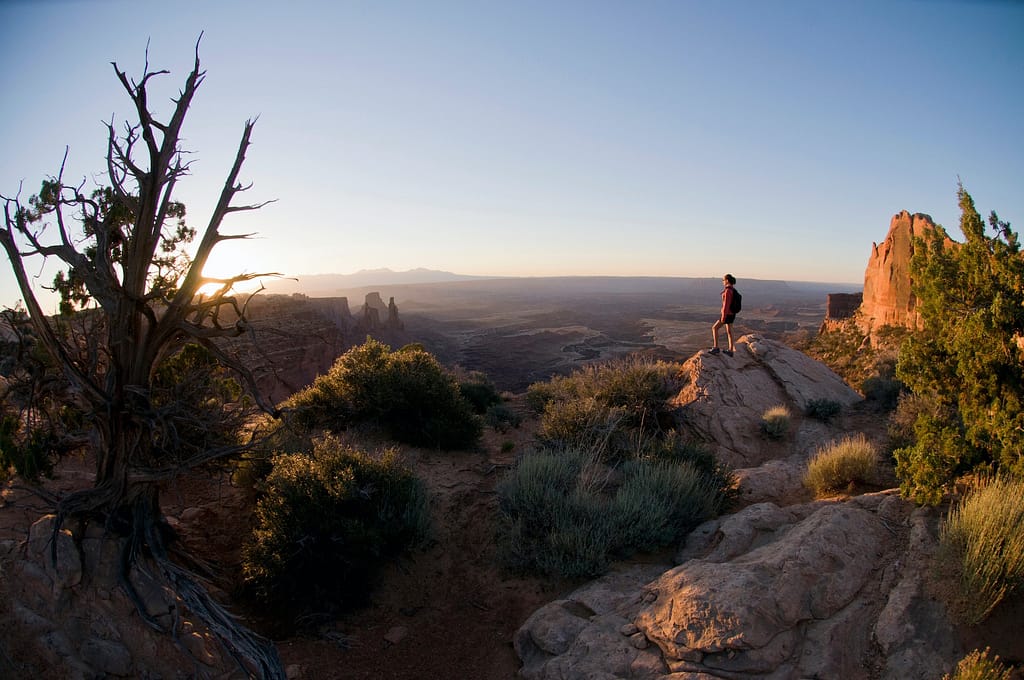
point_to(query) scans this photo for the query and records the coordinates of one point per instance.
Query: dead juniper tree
(136, 301)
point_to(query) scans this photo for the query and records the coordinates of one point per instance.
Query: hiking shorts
(729, 318)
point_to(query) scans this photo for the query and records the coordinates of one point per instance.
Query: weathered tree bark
(143, 311)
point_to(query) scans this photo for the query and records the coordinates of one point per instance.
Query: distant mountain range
(327, 284)
(389, 282)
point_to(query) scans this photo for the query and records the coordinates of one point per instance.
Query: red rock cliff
(887, 297)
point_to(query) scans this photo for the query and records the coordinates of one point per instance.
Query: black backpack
(737, 302)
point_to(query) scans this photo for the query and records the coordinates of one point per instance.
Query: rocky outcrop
(295, 338)
(725, 397)
(888, 300)
(823, 589)
(839, 306)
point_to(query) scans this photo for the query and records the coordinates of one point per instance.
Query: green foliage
(407, 393)
(501, 417)
(968, 356)
(479, 391)
(327, 523)
(659, 503)
(979, 666)
(606, 406)
(983, 540)
(562, 516)
(110, 223)
(882, 387)
(839, 465)
(200, 406)
(823, 409)
(775, 421)
(28, 454)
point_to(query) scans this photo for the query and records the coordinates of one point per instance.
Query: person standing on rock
(730, 306)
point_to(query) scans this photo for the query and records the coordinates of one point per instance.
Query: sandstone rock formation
(298, 338)
(830, 589)
(824, 589)
(887, 299)
(725, 397)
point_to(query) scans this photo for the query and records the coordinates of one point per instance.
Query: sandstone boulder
(725, 397)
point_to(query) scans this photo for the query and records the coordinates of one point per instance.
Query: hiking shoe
(714, 350)
(727, 352)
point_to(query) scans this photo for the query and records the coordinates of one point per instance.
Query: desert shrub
(839, 464)
(606, 405)
(823, 409)
(479, 391)
(501, 417)
(659, 503)
(29, 454)
(561, 515)
(407, 393)
(550, 522)
(882, 390)
(326, 524)
(539, 394)
(775, 421)
(979, 666)
(983, 541)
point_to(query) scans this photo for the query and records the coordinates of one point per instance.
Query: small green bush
(840, 464)
(983, 540)
(659, 503)
(823, 409)
(326, 524)
(29, 454)
(501, 417)
(607, 406)
(479, 391)
(407, 393)
(562, 516)
(775, 421)
(979, 666)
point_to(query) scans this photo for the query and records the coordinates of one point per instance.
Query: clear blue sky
(768, 139)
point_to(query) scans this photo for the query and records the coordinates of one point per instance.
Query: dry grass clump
(979, 666)
(841, 464)
(775, 421)
(982, 541)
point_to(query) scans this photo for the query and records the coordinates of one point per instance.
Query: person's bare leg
(728, 332)
(714, 332)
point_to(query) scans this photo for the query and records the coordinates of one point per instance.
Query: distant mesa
(299, 337)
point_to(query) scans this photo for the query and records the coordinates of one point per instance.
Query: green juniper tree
(132, 300)
(967, 360)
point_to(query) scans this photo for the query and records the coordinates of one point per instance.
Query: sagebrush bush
(840, 464)
(983, 541)
(659, 503)
(979, 666)
(407, 393)
(562, 515)
(775, 421)
(327, 522)
(606, 405)
(823, 409)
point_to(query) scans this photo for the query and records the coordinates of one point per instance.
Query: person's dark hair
(730, 278)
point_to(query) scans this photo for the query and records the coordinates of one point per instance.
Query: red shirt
(726, 301)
